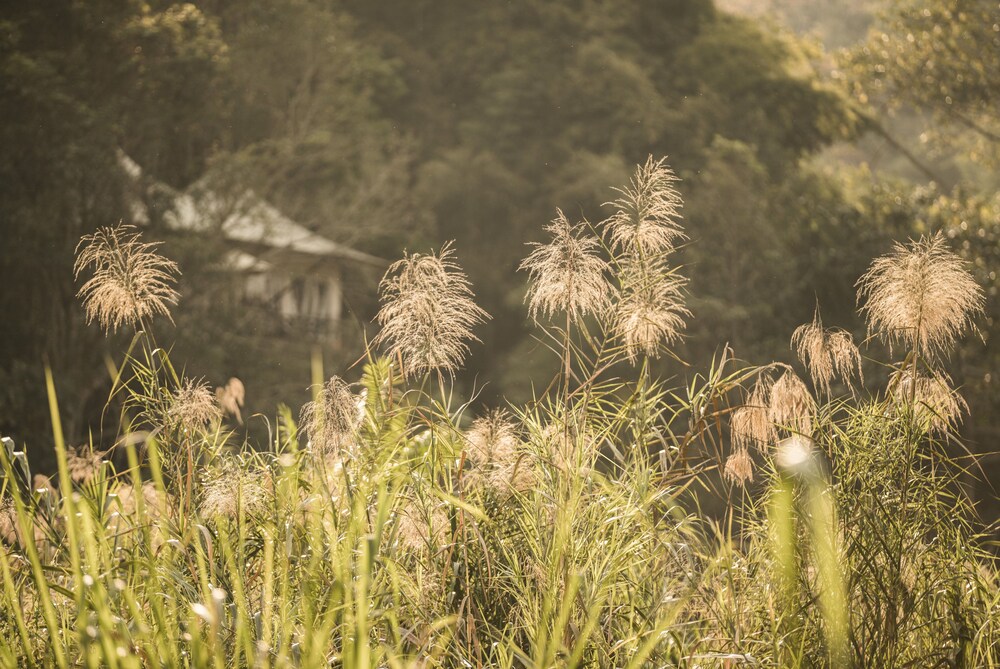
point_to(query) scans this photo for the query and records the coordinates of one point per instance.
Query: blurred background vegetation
(807, 136)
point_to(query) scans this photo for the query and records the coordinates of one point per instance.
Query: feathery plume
(566, 274)
(921, 295)
(83, 463)
(419, 528)
(826, 353)
(750, 424)
(193, 406)
(647, 213)
(492, 439)
(495, 449)
(231, 397)
(937, 406)
(651, 310)
(791, 404)
(232, 490)
(131, 281)
(428, 312)
(739, 467)
(333, 419)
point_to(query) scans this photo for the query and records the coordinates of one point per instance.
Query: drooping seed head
(428, 312)
(936, 405)
(921, 295)
(234, 489)
(492, 439)
(231, 397)
(193, 406)
(130, 282)
(83, 464)
(332, 420)
(792, 406)
(421, 527)
(750, 425)
(495, 449)
(647, 215)
(826, 353)
(650, 311)
(567, 276)
(739, 467)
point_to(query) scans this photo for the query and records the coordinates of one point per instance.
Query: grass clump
(387, 527)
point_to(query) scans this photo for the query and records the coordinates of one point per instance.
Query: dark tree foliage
(404, 124)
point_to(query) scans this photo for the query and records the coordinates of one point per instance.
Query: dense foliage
(388, 528)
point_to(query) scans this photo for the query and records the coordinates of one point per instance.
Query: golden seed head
(421, 528)
(492, 439)
(936, 405)
(495, 449)
(231, 397)
(567, 276)
(333, 419)
(792, 406)
(428, 312)
(232, 490)
(83, 464)
(739, 467)
(647, 215)
(130, 281)
(193, 406)
(826, 353)
(650, 311)
(921, 295)
(750, 425)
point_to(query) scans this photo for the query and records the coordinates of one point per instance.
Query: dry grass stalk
(333, 419)
(739, 467)
(792, 406)
(650, 311)
(131, 282)
(648, 211)
(936, 405)
(193, 407)
(921, 295)
(428, 312)
(826, 353)
(750, 425)
(567, 276)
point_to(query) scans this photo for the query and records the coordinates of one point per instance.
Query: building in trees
(268, 259)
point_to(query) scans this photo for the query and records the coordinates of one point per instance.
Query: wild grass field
(749, 514)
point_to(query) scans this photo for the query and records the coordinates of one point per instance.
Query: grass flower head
(130, 282)
(428, 312)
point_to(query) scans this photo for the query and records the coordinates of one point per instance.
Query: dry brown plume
(936, 405)
(650, 311)
(428, 312)
(567, 276)
(332, 420)
(826, 353)
(792, 406)
(739, 467)
(921, 295)
(750, 425)
(648, 211)
(193, 406)
(130, 282)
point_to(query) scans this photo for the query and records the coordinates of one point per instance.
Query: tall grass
(388, 527)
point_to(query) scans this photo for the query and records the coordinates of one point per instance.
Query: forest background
(807, 136)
